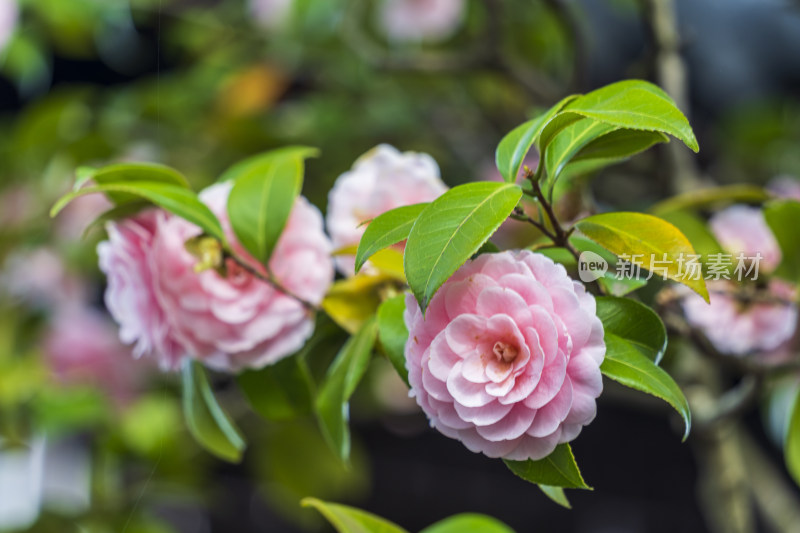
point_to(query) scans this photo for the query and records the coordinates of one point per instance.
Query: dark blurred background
(201, 84)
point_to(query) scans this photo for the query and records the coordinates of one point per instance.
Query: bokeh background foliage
(199, 85)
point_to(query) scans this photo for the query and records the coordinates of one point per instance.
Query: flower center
(505, 352)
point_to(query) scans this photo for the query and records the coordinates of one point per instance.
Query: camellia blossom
(731, 322)
(737, 327)
(380, 180)
(9, 12)
(507, 357)
(417, 20)
(169, 310)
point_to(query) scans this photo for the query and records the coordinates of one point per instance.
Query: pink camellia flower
(9, 12)
(380, 180)
(417, 20)
(742, 229)
(230, 322)
(82, 348)
(731, 322)
(507, 358)
(737, 327)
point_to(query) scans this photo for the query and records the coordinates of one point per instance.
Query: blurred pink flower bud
(743, 229)
(418, 20)
(380, 180)
(785, 187)
(228, 323)
(507, 358)
(9, 12)
(271, 14)
(82, 347)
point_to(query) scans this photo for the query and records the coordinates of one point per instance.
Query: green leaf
(468, 523)
(634, 323)
(246, 166)
(635, 105)
(713, 197)
(626, 364)
(262, 197)
(281, 391)
(569, 141)
(387, 229)
(117, 212)
(451, 229)
(610, 149)
(558, 469)
(783, 218)
(696, 230)
(515, 145)
(393, 334)
(557, 495)
(208, 423)
(130, 172)
(332, 404)
(792, 445)
(647, 241)
(177, 200)
(619, 144)
(348, 519)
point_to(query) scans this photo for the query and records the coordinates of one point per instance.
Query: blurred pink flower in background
(78, 214)
(380, 180)
(38, 277)
(9, 12)
(738, 328)
(785, 187)
(507, 358)
(418, 20)
(743, 229)
(82, 348)
(271, 13)
(229, 323)
(733, 325)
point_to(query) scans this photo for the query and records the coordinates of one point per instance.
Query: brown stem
(270, 279)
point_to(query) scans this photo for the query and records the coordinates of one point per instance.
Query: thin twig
(270, 279)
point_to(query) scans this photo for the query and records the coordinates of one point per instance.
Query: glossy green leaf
(177, 200)
(626, 364)
(696, 230)
(246, 166)
(280, 391)
(263, 195)
(570, 141)
(620, 144)
(516, 144)
(127, 173)
(558, 469)
(712, 197)
(348, 519)
(393, 334)
(783, 218)
(635, 105)
(792, 445)
(468, 523)
(451, 229)
(646, 241)
(635, 323)
(387, 229)
(557, 495)
(332, 403)
(208, 423)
